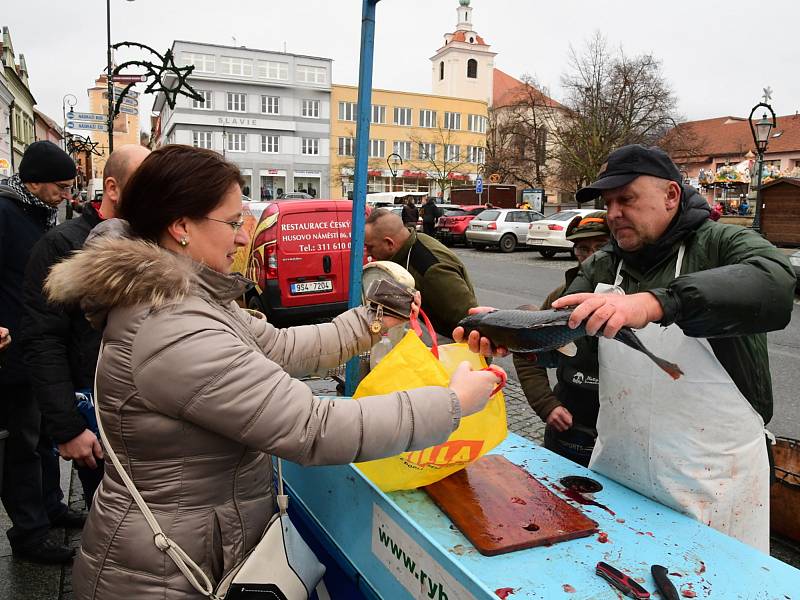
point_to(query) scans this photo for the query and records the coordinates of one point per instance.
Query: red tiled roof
(461, 36)
(732, 136)
(508, 90)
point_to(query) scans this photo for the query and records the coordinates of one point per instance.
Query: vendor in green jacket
(570, 409)
(439, 275)
(702, 294)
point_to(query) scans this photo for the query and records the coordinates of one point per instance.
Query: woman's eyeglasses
(235, 225)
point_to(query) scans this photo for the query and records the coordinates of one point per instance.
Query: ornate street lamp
(395, 161)
(761, 130)
(68, 100)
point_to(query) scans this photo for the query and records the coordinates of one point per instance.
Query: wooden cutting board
(500, 508)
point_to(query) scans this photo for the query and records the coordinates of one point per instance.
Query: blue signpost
(479, 188)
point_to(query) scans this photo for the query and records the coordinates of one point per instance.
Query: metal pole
(757, 216)
(110, 83)
(360, 175)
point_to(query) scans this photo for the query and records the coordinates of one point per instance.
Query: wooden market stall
(780, 212)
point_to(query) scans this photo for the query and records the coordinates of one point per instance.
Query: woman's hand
(476, 343)
(608, 313)
(389, 321)
(472, 388)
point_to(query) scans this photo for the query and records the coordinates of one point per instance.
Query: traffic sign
(129, 110)
(125, 99)
(479, 185)
(495, 178)
(90, 126)
(129, 78)
(82, 116)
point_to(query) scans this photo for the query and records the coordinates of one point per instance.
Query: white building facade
(267, 112)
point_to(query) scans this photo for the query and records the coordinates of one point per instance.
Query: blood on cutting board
(568, 588)
(688, 594)
(701, 569)
(516, 500)
(503, 592)
(581, 499)
(602, 537)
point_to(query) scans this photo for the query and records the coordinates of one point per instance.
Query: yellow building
(126, 124)
(440, 140)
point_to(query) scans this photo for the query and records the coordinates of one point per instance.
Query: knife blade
(624, 583)
(663, 583)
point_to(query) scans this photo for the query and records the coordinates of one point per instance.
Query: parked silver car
(501, 227)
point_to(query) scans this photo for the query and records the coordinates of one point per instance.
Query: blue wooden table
(400, 545)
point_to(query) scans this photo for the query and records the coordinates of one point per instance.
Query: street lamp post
(395, 161)
(761, 130)
(110, 82)
(68, 100)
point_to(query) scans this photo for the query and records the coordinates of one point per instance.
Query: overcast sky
(714, 61)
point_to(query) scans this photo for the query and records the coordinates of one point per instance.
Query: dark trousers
(429, 228)
(31, 483)
(90, 480)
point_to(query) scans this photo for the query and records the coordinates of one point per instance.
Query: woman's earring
(184, 242)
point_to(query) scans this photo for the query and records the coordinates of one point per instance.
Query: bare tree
(613, 100)
(440, 155)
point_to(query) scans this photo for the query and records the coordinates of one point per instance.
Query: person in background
(410, 213)
(60, 346)
(447, 292)
(31, 488)
(744, 207)
(430, 214)
(570, 409)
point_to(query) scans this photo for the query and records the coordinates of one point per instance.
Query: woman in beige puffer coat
(195, 394)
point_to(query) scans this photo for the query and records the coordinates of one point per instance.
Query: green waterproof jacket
(735, 286)
(441, 278)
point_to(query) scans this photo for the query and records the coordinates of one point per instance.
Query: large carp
(531, 332)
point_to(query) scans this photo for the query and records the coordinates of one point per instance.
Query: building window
(347, 111)
(307, 74)
(472, 68)
(427, 151)
(378, 114)
(476, 155)
(237, 142)
(452, 152)
(441, 70)
(270, 105)
(269, 144)
(477, 123)
(403, 149)
(347, 146)
(203, 63)
(201, 139)
(402, 116)
(377, 148)
(452, 120)
(205, 103)
(229, 65)
(427, 118)
(272, 70)
(311, 108)
(309, 146)
(237, 102)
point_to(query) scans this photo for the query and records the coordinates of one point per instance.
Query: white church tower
(464, 66)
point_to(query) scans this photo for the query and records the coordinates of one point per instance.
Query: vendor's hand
(472, 387)
(560, 419)
(5, 338)
(83, 449)
(611, 312)
(476, 343)
(390, 321)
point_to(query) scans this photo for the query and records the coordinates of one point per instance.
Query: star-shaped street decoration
(767, 94)
(167, 78)
(77, 144)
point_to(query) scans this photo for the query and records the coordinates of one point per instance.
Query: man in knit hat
(31, 486)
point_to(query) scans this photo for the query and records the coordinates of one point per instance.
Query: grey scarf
(40, 212)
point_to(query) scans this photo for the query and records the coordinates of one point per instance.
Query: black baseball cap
(626, 164)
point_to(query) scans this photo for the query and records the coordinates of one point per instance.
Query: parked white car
(501, 227)
(549, 235)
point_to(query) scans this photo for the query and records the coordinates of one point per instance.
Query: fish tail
(628, 337)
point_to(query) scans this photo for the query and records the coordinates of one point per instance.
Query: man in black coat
(430, 214)
(31, 486)
(60, 346)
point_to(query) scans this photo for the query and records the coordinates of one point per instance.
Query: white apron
(695, 444)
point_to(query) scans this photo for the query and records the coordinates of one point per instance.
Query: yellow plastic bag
(411, 365)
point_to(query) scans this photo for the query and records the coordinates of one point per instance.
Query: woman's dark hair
(175, 181)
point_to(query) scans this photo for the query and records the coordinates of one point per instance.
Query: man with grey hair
(439, 275)
(59, 344)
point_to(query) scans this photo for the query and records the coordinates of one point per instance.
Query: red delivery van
(300, 260)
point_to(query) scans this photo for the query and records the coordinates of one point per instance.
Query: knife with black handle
(664, 585)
